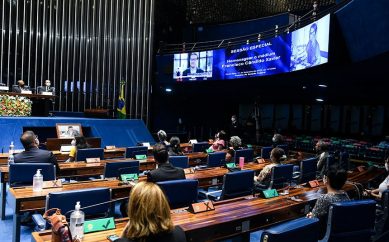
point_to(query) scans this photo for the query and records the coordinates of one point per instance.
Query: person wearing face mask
(377, 193)
(219, 143)
(334, 179)
(79, 142)
(235, 128)
(322, 151)
(32, 153)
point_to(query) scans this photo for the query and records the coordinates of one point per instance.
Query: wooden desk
(56, 143)
(232, 217)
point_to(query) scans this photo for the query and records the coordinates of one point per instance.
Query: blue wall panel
(120, 133)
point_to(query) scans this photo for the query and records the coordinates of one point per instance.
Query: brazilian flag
(122, 102)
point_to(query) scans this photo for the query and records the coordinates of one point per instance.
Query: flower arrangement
(15, 106)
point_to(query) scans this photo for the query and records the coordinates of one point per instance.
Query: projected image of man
(313, 48)
(193, 69)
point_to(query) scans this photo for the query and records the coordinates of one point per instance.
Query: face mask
(233, 119)
(73, 143)
(387, 166)
(37, 141)
(273, 139)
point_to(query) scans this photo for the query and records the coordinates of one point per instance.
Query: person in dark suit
(149, 217)
(193, 69)
(20, 87)
(46, 88)
(165, 171)
(31, 153)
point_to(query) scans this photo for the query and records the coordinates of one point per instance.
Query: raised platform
(118, 132)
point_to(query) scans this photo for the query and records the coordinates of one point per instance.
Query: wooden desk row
(24, 199)
(236, 216)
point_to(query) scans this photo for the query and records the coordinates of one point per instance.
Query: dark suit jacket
(177, 235)
(187, 71)
(165, 172)
(43, 89)
(35, 155)
(17, 89)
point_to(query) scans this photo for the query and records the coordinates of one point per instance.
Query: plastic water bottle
(77, 223)
(37, 182)
(11, 148)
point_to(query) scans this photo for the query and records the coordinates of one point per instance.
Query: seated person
(235, 144)
(31, 153)
(277, 140)
(20, 87)
(377, 193)
(334, 180)
(175, 148)
(277, 155)
(219, 143)
(165, 171)
(322, 151)
(149, 217)
(162, 137)
(79, 142)
(46, 88)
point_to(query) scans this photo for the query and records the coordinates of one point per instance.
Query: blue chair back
(385, 217)
(116, 168)
(135, 150)
(238, 183)
(181, 161)
(351, 221)
(21, 174)
(180, 193)
(200, 146)
(308, 168)
(281, 174)
(82, 154)
(301, 230)
(87, 197)
(265, 152)
(216, 159)
(285, 148)
(248, 155)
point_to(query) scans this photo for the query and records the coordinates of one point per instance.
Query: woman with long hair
(149, 216)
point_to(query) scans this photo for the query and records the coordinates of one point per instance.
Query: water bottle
(11, 148)
(37, 182)
(77, 223)
(11, 159)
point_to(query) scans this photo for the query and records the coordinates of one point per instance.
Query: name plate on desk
(26, 92)
(314, 183)
(201, 207)
(141, 157)
(270, 193)
(47, 93)
(110, 147)
(4, 88)
(93, 160)
(52, 184)
(99, 225)
(129, 177)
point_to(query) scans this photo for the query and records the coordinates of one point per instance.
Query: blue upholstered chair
(265, 152)
(181, 161)
(301, 230)
(139, 150)
(115, 169)
(68, 199)
(280, 175)
(248, 155)
(351, 221)
(200, 146)
(180, 193)
(83, 154)
(235, 184)
(383, 221)
(216, 159)
(308, 169)
(21, 174)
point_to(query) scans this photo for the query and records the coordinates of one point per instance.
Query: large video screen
(303, 48)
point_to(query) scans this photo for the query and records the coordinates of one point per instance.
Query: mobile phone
(112, 237)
